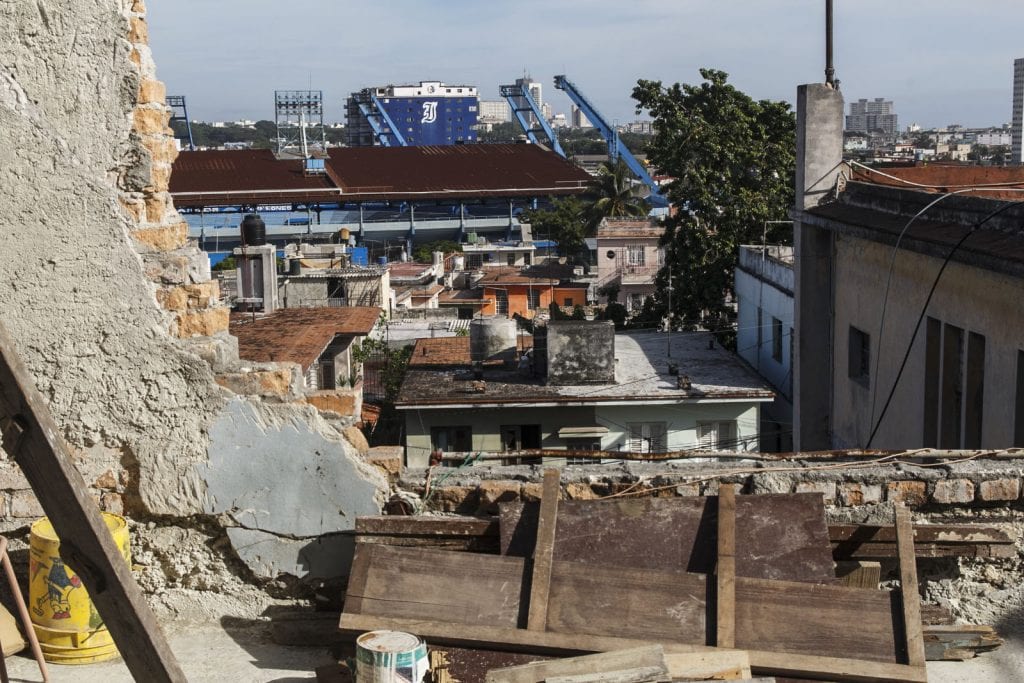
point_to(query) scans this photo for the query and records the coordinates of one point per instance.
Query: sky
(940, 61)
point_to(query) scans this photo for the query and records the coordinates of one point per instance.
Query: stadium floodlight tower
(179, 112)
(299, 115)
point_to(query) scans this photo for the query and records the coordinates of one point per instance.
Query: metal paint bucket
(69, 628)
(390, 657)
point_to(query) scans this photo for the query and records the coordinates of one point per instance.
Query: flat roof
(641, 376)
(621, 227)
(298, 335)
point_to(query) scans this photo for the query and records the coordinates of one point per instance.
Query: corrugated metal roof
(948, 177)
(375, 173)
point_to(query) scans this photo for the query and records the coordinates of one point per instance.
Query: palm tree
(612, 194)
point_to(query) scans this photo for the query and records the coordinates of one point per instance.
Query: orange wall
(518, 301)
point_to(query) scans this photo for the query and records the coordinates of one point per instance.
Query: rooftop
(641, 376)
(298, 335)
(938, 177)
(620, 227)
(409, 270)
(210, 177)
(453, 352)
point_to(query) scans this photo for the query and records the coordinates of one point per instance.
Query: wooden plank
(859, 573)
(540, 580)
(725, 571)
(910, 598)
(958, 642)
(887, 551)
(679, 534)
(424, 525)
(834, 668)
(720, 665)
(615, 660)
(865, 542)
(32, 437)
(645, 674)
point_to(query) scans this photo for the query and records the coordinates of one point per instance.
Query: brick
(909, 492)
(152, 91)
(135, 209)
(531, 491)
(204, 323)
(112, 502)
(151, 120)
(949, 491)
(580, 491)
(11, 477)
(161, 148)
(852, 494)
(461, 499)
(493, 492)
(999, 489)
(138, 32)
(24, 504)
(273, 382)
(826, 488)
(107, 480)
(189, 297)
(165, 238)
(156, 207)
(342, 404)
(390, 465)
(159, 177)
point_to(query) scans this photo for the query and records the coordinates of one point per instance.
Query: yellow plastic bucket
(69, 628)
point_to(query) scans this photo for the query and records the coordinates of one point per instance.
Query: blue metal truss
(383, 127)
(179, 112)
(616, 148)
(517, 97)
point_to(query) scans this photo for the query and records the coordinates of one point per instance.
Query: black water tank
(254, 230)
(295, 267)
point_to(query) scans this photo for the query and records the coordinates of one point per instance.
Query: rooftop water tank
(489, 337)
(254, 230)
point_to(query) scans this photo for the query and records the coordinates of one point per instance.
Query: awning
(581, 432)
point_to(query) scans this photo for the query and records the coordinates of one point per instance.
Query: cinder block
(999, 489)
(910, 492)
(825, 488)
(852, 494)
(951, 491)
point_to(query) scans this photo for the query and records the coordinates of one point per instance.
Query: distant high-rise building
(431, 113)
(494, 111)
(874, 115)
(579, 120)
(1017, 126)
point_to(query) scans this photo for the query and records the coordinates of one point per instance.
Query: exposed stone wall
(116, 316)
(985, 491)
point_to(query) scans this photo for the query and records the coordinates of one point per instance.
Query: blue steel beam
(616, 148)
(515, 93)
(373, 111)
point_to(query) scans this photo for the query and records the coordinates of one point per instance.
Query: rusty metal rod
(26, 620)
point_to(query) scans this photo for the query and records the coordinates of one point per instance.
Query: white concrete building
(764, 333)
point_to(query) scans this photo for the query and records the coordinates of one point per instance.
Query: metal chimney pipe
(830, 72)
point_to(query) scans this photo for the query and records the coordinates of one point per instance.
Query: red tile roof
(376, 173)
(299, 335)
(947, 178)
(446, 352)
(408, 271)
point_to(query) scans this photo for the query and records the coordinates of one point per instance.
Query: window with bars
(533, 299)
(647, 437)
(635, 254)
(717, 435)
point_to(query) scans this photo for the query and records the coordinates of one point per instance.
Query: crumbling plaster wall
(117, 318)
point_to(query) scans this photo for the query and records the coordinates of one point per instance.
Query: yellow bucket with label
(69, 628)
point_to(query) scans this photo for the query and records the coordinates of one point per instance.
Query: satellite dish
(611, 253)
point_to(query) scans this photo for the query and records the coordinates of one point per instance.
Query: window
(474, 261)
(776, 339)
(500, 302)
(567, 301)
(526, 258)
(647, 437)
(517, 438)
(511, 258)
(452, 439)
(581, 445)
(718, 435)
(533, 299)
(859, 356)
(635, 254)
(636, 302)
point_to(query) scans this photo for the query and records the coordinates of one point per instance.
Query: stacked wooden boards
(558, 604)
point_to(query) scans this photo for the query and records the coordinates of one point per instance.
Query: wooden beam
(720, 665)
(910, 599)
(725, 569)
(834, 668)
(543, 554)
(32, 437)
(859, 573)
(615, 660)
(957, 642)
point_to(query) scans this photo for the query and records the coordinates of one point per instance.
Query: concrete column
(819, 153)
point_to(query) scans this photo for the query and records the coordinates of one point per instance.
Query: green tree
(424, 253)
(564, 222)
(613, 194)
(732, 159)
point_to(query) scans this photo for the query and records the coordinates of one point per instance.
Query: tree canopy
(565, 222)
(732, 159)
(612, 194)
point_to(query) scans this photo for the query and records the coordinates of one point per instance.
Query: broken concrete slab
(269, 556)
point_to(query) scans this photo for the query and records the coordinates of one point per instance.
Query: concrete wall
(116, 317)
(755, 293)
(581, 352)
(974, 299)
(681, 421)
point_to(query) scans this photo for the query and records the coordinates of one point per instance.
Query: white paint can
(390, 657)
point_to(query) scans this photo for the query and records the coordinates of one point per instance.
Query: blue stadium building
(431, 113)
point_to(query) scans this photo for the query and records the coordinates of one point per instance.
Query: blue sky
(940, 61)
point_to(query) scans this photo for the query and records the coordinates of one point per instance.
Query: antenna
(830, 72)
